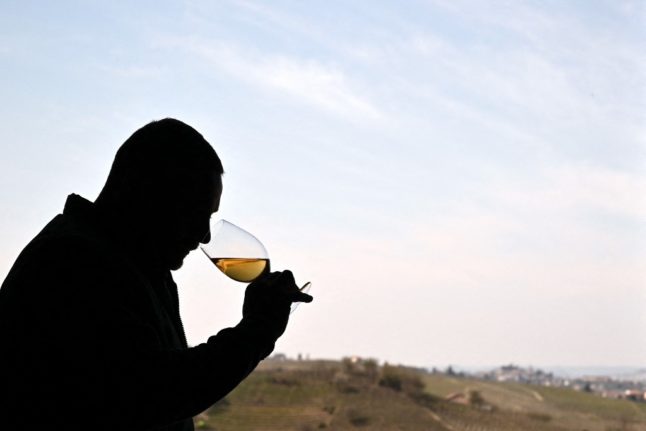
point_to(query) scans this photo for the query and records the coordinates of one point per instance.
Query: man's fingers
(281, 284)
(287, 279)
(272, 277)
(301, 297)
(266, 280)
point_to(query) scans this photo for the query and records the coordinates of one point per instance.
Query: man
(90, 330)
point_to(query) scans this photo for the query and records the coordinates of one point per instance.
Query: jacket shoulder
(63, 258)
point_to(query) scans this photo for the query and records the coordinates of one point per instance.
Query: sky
(463, 182)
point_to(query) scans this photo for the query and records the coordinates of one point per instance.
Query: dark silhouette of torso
(92, 338)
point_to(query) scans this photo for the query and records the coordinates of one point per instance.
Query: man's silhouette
(90, 332)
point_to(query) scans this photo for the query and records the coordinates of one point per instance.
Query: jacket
(91, 337)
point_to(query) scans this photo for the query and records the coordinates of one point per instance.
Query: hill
(354, 395)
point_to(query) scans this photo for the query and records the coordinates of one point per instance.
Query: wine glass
(239, 254)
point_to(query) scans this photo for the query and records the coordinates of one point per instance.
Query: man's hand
(268, 300)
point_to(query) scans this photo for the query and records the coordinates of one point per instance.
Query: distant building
(457, 398)
(605, 386)
(278, 357)
(633, 395)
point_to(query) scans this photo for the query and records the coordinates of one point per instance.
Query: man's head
(165, 182)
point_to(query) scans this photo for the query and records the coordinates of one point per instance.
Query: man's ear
(135, 191)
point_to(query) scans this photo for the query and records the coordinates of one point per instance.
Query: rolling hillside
(315, 395)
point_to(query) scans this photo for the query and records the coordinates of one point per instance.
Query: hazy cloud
(308, 81)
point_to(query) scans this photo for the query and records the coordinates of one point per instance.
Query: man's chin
(174, 266)
(175, 262)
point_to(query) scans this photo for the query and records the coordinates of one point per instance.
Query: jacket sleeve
(90, 338)
(149, 387)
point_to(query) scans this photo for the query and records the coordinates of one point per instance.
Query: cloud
(588, 189)
(564, 231)
(308, 81)
(532, 219)
(548, 79)
(135, 71)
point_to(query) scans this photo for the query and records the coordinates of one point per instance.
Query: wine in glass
(236, 252)
(239, 254)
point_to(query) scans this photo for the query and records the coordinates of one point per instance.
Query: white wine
(241, 269)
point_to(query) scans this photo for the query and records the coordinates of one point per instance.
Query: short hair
(166, 151)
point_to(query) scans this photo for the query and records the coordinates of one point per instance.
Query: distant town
(605, 386)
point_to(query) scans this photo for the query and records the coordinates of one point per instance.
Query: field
(315, 395)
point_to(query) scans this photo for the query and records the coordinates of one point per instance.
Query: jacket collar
(90, 217)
